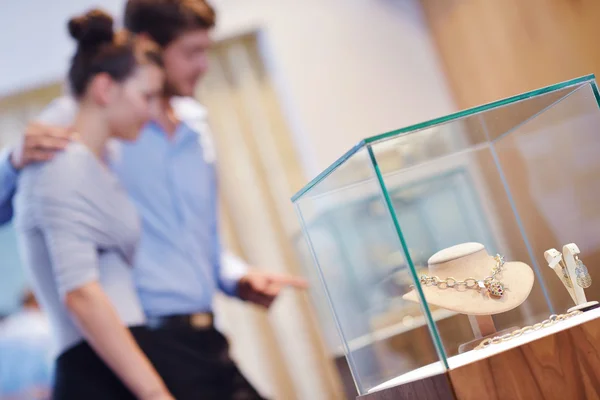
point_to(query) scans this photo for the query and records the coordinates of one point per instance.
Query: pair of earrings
(582, 275)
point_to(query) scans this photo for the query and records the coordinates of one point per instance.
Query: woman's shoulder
(70, 170)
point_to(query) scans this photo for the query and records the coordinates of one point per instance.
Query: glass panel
(551, 168)
(529, 189)
(449, 200)
(365, 274)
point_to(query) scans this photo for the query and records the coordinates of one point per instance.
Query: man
(169, 173)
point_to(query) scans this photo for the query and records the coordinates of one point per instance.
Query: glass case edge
(388, 201)
(532, 117)
(596, 92)
(481, 108)
(328, 171)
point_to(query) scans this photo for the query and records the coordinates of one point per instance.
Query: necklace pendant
(495, 289)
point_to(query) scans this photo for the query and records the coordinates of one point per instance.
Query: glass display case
(400, 235)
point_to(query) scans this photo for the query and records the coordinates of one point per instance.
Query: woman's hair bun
(92, 28)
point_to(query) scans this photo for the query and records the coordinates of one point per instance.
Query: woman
(78, 231)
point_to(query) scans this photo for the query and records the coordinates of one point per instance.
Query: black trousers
(194, 364)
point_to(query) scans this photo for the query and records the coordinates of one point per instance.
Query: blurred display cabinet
(437, 248)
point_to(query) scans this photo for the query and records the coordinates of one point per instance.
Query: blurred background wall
(494, 49)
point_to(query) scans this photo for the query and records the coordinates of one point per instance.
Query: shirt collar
(194, 125)
(188, 109)
(195, 117)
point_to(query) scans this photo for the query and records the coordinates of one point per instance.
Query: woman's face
(136, 100)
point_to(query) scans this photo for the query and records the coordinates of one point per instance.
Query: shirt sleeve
(73, 256)
(8, 183)
(67, 218)
(232, 270)
(61, 112)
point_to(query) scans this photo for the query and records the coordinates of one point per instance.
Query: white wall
(35, 46)
(346, 68)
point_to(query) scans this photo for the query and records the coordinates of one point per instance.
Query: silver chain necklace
(490, 285)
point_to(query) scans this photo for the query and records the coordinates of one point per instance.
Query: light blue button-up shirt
(172, 181)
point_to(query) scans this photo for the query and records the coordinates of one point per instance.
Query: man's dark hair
(165, 20)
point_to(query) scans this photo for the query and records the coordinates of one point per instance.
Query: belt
(197, 321)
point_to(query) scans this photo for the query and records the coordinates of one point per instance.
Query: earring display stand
(569, 253)
(555, 261)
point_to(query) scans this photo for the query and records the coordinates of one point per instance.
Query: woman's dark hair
(101, 50)
(165, 20)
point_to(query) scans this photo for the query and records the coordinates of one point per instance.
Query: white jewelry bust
(471, 260)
